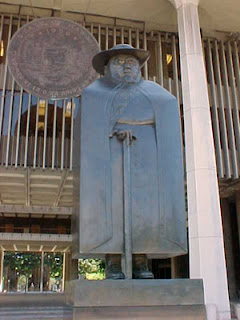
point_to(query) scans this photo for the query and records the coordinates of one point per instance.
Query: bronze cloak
(93, 214)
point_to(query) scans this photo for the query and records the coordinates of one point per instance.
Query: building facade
(200, 66)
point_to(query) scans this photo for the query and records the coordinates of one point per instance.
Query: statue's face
(124, 68)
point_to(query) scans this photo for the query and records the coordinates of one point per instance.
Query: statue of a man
(117, 107)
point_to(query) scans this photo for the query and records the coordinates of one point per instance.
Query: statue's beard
(126, 77)
(129, 78)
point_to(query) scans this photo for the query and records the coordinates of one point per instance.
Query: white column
(206, 248)
(1, 271)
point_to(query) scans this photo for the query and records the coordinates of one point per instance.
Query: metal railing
(39, 133)
(222, 61)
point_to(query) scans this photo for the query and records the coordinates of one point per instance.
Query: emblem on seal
(52, 58)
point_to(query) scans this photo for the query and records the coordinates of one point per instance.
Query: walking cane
(127, 139)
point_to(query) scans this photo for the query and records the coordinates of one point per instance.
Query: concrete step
(36, 313)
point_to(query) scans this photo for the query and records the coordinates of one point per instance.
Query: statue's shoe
(142, 274)
(113, 267)
(140, 267)
(115, 275)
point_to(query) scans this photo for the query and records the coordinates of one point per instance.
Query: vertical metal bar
(130, 36)
(91, 28)
(99, 35)
(1, 33)
(9, 123)
(4, 81)
(145, 48)
(159, 60)
(122, 35)
(222, 112)
(71, 137)
(64, 271)
(236, 66)
(41, 271)
(234, 98)
(63, 134)
(175, 69)
(54, 134)
(229, 111)
(18, 126)
(45, 135)
(114, 35)
(27, 130)
(1, 271)
(170, 85)
(137, 38)
(36, 135)
(10, 110)
(1, 28)
(106, 38)
(215, 114)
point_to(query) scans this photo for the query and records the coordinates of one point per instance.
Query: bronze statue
(131, 188)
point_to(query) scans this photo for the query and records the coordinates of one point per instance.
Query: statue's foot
(113, 267)
(115, 275)
(141, 274)
(140, 267)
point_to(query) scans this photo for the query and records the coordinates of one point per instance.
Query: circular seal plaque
(52, 58)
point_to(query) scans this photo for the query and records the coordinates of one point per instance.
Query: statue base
(136, 299)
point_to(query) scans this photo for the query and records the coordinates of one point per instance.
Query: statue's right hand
(123, 134)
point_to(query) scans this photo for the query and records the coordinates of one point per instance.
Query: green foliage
(92, 269)
(55, 262)
(22, 262)
(25, 262)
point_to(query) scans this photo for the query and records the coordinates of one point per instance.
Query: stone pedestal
(136, 299)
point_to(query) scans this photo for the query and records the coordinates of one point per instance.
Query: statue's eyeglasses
(129, 61)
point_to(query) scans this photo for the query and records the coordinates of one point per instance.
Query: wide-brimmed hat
(101, 59)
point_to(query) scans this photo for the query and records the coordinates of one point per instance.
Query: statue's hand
(123, 134)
